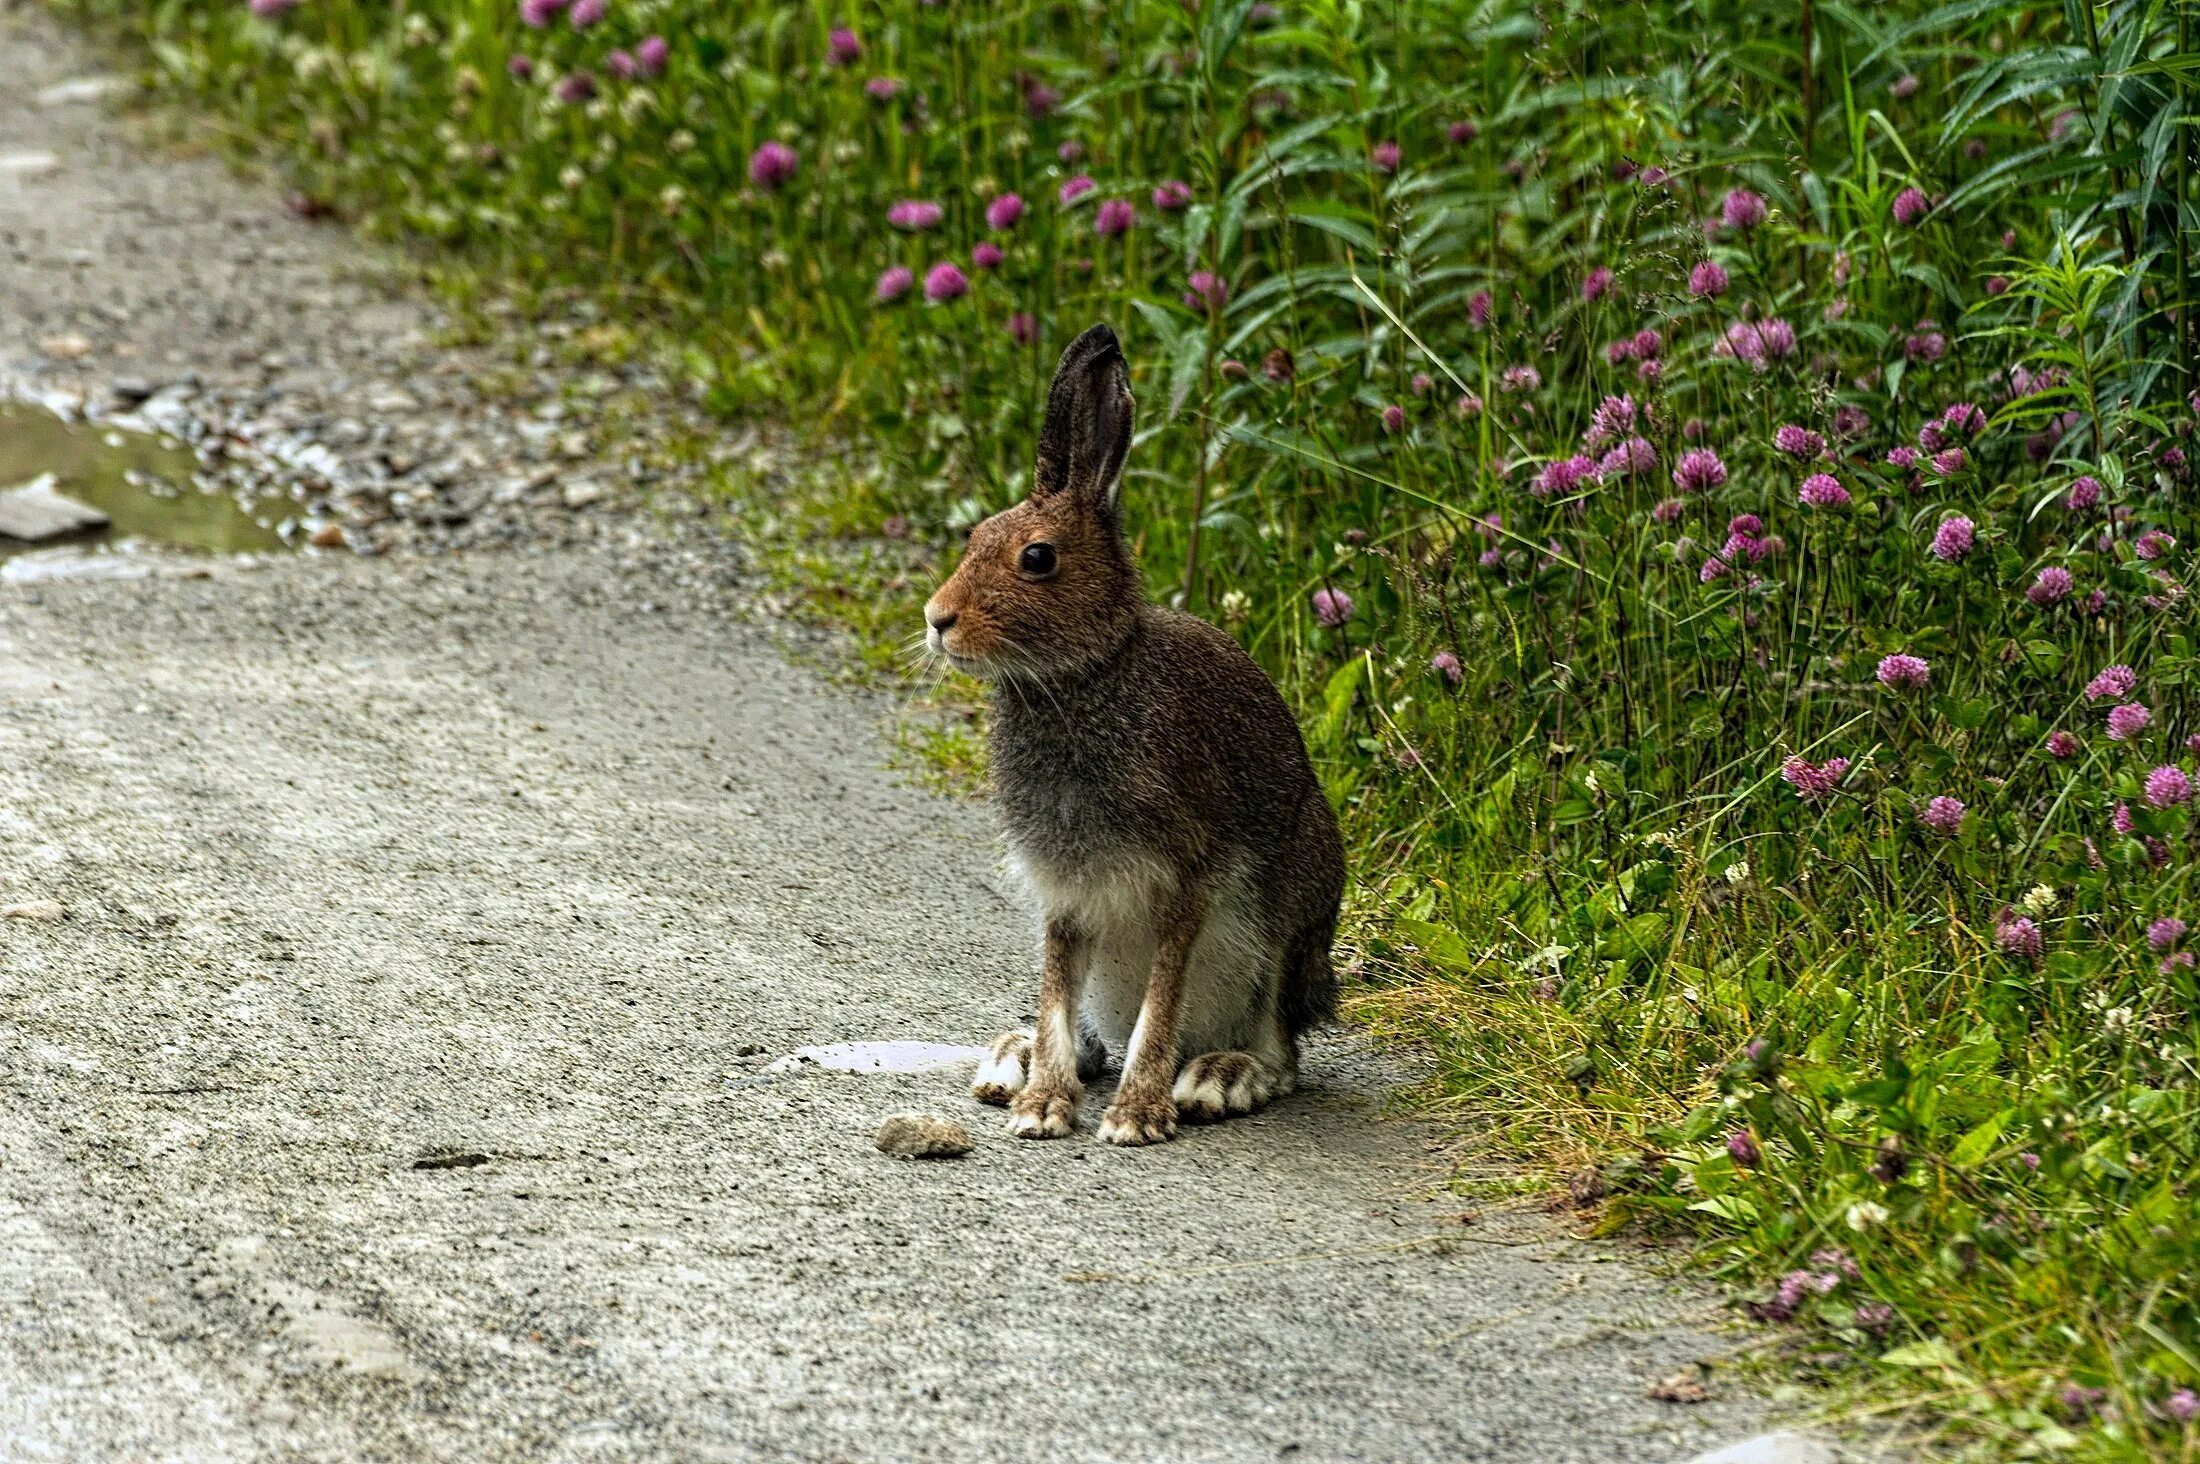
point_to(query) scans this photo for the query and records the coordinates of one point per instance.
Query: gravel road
(405, 1079)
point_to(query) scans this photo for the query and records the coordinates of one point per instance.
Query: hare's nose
(944, 623)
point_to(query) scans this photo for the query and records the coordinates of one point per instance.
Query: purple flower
(1742, 209)
(1040, 100)
(2052, 584)
(1698, 471)
(520, 68)
(1823, 490)
(893, 284)
(1647, 344)
(2113, 682)
(1394, 418)
(1075, 188)
(1070, 151)
(1332, 607)
(586, 13)
(1614, 417)
(1778, 337)
(2120, 819)
(1445, 664)
(1707, 279)
(1022, 328)
(1478, 308)
(883, 88)
(1742, 1146)
(915, 215)
(1385, 156)
(653, 52)
(576, 87)
(1172, 195)
(621, 64)
(1903, 87)
(1713, 568)
(1462, 132)
(1813, 781)
(1925, 345)
(2062, 746)
(944, 282)
(1114, 217)
(269, 9)
(1902, 457)
(2167, 786)
(2128, 721)
(1631, 458)
(1003, 212)
(1520, 378)
(1904, 672)
(1910, 206)
(986, 255)
(1798, 442)
(1207, 292)
(2182, 1406)
(1953, 539)
(1964, 417)
(1469, 405)
(535, 14)
(843, 47)
(2153, 544)
(1595, 283)
(2019, 937)
(1668, 511)
(772, 165)
(1563, 475)
(1949, 461)
(1850, 423)
(1943, 815)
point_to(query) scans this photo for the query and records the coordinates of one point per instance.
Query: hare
(1158, 798)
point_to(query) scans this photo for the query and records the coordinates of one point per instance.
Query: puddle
(145, 485)
(878, 1057)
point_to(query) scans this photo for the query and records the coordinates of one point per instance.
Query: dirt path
(399, 1084)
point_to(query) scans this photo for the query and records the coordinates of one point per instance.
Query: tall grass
(1645, 829)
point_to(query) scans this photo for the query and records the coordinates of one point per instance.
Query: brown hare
(1158, 798)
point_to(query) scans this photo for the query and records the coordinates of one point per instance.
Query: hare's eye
(1037, 560)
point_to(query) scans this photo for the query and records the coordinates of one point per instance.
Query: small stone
(328, 536)
(48, 912)
(68, 346)
(128, 391)
(1685, 1386)
(82, 89)
(582, 493)
(28, 165)
(35, 511)
(923, 1136)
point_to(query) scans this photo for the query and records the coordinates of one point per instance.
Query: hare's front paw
(1001, 1071)
(1136, 1119)
(1037, 1113)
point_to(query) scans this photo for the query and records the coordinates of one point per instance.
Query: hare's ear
(1087, 433)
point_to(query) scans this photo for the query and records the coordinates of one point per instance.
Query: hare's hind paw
(1001, 1071)
(1033, 1114)
(1218, 1085)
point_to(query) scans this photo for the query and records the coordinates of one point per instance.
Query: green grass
(1810, 1033)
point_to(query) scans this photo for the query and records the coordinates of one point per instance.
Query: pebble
(82, 89)
(29, 164)
(69, 346)
(46, 911)
(35, 511)
(923, 1136)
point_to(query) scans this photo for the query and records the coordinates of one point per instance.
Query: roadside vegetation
(1715, 476)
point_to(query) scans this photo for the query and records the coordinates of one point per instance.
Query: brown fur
(1157, 793)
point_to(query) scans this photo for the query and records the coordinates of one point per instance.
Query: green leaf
(1971, 1150)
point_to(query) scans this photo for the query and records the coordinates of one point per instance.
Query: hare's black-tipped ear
(1087, 433)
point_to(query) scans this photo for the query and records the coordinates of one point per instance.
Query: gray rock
(130, 390)
(923, 1136)
(82, 89)
(35, 511)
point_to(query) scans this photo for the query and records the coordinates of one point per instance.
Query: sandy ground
(399, 1083)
